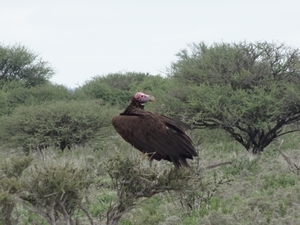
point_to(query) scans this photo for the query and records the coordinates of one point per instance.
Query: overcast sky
(85, 38)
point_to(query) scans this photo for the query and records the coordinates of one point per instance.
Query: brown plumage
(156, 135)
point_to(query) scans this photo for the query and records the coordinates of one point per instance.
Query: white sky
(84, 38)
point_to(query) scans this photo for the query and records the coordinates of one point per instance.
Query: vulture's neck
(131, 109)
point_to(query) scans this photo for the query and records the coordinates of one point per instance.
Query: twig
(292, 166)
(216, 165)
(67, 217)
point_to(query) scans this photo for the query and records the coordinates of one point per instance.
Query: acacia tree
(18, 64)
(250, 90)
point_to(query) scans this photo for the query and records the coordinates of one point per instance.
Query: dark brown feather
(158, 136)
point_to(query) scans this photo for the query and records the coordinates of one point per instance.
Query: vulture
(158, 136)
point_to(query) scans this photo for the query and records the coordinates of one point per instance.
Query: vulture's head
(142, 98)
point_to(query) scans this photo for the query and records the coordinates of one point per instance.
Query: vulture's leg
(150, 163)
(151, 158)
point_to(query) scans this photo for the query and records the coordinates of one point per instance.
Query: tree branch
(292, 166)
(87, 214)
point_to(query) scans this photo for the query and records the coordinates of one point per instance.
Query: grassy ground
(263, 191)
(252, 190)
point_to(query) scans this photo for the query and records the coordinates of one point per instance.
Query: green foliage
(249, 90)
(60, 123)
(246, 105)
(17, 63)
(4, 109)
(101, 205)
(279, 180)
(243, 164)
(16, 96)
(117, 89)
(171, 97)
(29, 218)
(11, 169)
(114, 89)
(243, 65)
(124, 81)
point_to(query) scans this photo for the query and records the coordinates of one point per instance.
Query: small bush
(55, 187)
(11, 170)
(134, 181)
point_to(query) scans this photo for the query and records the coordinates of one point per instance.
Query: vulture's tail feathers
(179, 162)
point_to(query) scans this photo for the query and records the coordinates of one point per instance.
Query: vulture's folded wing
(159, 137)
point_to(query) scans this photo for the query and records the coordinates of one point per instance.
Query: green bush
(61, 123)
(113, 88)
(16, 96)
(117, 89)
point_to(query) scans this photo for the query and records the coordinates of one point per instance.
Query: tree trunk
(255, 150)
(112, 219)
(114, 214)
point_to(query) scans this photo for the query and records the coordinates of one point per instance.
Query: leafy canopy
(17, 63)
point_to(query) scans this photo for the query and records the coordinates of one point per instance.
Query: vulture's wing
(176, 123)
(160, 137)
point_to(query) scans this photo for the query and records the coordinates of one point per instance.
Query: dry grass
(262, 189)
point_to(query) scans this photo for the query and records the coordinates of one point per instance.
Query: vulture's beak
(151, 98)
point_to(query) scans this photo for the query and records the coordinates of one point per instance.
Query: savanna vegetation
(61, 162)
